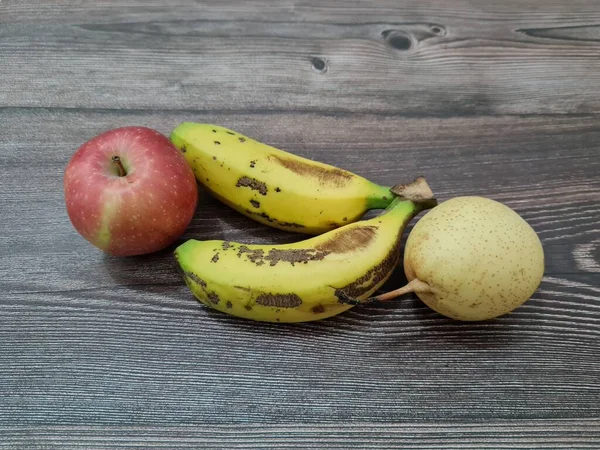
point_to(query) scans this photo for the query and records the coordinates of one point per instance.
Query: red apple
(129, 191)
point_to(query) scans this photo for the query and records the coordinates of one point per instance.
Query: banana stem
(418, 192)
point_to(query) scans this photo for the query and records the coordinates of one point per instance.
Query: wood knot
(319, 65)
(437, 30)
(397, 39)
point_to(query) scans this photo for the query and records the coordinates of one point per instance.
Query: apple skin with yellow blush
(129, 191)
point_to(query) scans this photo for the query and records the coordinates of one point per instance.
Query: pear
(472, 258)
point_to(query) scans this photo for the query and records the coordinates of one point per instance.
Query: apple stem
(119, 163)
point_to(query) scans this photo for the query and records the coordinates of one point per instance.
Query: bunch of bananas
(346, 261)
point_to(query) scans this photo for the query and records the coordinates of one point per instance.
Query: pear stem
(415, 285)
(119, 163)
(418, 192)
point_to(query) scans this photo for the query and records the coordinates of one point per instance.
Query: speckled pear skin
(480, 258)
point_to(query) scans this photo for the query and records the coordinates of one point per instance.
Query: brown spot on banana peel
(252, 183)
(343, 242)
(374, 276)
(213, 297)
(272, 220)
(325, 176)
(210, 296)
(294, 256)
(253, 255)
(242, 288)
(274, 256)
(255, 203)
(349, 240)
(196, 279)
(319, 309)
(215, 258)
(279, 300)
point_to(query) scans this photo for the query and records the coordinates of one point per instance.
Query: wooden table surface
(493, 98)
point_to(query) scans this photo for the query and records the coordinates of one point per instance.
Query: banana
(274, 187)
(303, 281)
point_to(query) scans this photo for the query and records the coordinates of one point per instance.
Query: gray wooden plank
(554, 184)
(91, 339)
(66, 11)
(486, 98)
(561, 434)
(153, 355)
(441, 58)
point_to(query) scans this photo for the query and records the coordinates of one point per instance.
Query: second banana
(308, 280)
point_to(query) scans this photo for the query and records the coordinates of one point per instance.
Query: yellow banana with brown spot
(306, 280)
(275, 187)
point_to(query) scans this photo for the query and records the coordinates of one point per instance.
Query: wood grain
(445, 58)
(483, 98)
(459, 156)
(101, 340)
(558, 434)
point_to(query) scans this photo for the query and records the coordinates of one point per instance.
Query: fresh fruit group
(304, 281)
(129, 191)
(272, 186)
(472, 258)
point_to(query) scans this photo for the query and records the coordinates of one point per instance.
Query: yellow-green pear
(472, 258)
